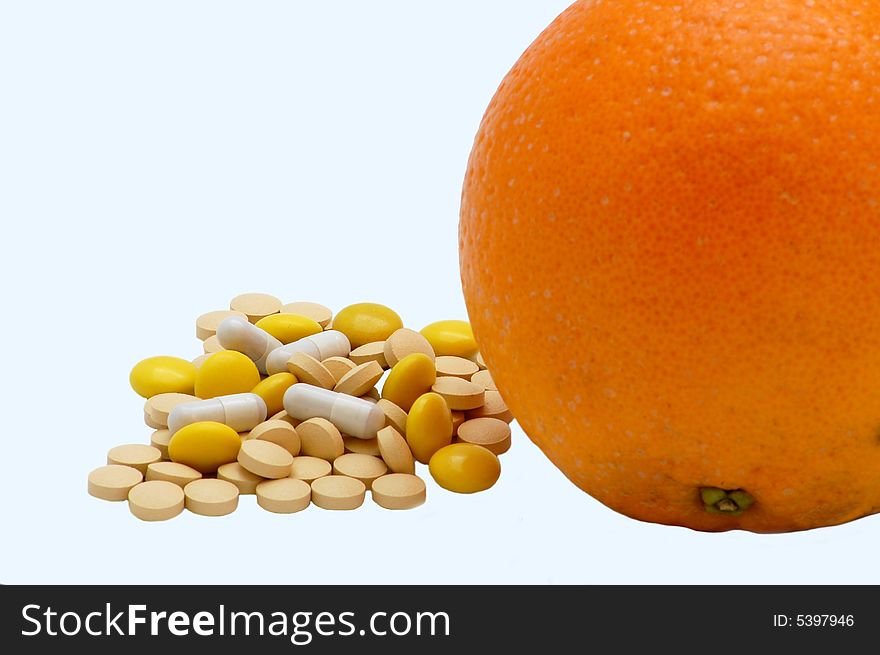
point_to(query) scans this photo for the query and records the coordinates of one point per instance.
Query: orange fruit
(670, 253)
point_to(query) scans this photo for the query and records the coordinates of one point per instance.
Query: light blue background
(157, 158)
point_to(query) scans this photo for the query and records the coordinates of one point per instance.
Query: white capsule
(353, 416)
(321, 346)
(237, 333)
(240, 411)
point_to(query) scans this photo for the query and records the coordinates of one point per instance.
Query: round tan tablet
(338, 366)
(399, 491)
(239, 476)
(360, 379)
(479, 361)
(362, 446)
(370, 352)
(280, 432)
(460, 394)
(394, 416)
(395, 451)
(365, 468)
(212, 345)
(159, 439)
(284, 416)
(211, 497)
(484, 379)
(456, 367)
(457, 419)
(160, 405)
(310, 468)
(284, 496)
(135, 455)
(113, 482)
(490, 433)
(338, 492)
(206, 324)
(255, 305)
(151, 423)
(493, 407)
(309, 370)
(405, 342)
(198, 361)
(156, 500)
(318, 313)
(265, 458)
(372, 395)
(179, 474)
(320, 438)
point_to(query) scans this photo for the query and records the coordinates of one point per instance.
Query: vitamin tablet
(479, 361)
(206, 324)
(409, 378)
(399, 491)
(320, 438)
(160, 405)
(484, 379)
(394, 416)
(456, 367)
(211, 497)
(271, 390)
(365, 468)
(284, 416)
(395, 451)
(156, 500)
(179, 474)
(370, 352)
(465, 468)
(279, 432)
(428, 426)
(288, 328)
(238, 334)
(493, 407)
(353, 416)
(284, 496)
(310, 468)
(156, 375)
(204, 446)
(324, 345)
(360, 379)
(225, 373)
(338, 366)
(362, 446)
(212, 345)
(491, 433)
(255, 305)
(198, 361)
(153, 424)
(372, 395)
(460, 394)
(405, 342)
(338, 492)
(367, 322)
(458, 418)
(454, 338)
(239, 476)
(113, 482)
(318, 313)
(265, 458)
(159, 440)
(309, 370)
(240, 411)
(135, 455)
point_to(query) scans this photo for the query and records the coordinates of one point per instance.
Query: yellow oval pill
(409, 378)
(272, 389)
(464, 468)
(288, 328)
(366, 322)
(162, 374)
(428, 426)
(225, 373)
(204, 446)
(451, 338)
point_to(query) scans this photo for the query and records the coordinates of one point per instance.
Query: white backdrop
(156, 159)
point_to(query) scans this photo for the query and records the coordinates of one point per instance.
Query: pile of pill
(284, 405)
